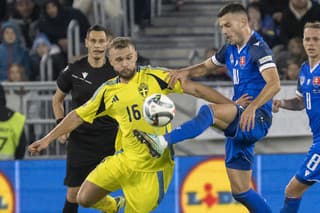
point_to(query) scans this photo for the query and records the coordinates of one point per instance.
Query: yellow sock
(106, 204)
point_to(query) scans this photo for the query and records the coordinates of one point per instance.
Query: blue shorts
(240, 144)
(309, 172)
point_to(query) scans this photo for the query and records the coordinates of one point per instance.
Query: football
(158, 110)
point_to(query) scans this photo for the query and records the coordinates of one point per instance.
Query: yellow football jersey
(123, 102)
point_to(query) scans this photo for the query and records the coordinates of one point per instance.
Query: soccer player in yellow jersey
(143, 179)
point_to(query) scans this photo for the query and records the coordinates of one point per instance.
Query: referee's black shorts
(75, 175)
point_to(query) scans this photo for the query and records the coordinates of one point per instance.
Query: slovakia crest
(316, 81)
(242, 61)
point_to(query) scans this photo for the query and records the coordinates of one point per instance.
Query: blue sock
(291, 205)
(253, 201)
(193, 127)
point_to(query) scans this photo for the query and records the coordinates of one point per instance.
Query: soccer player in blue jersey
(308, 97)
(249, 61)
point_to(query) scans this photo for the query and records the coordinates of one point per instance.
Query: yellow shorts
(143, 190)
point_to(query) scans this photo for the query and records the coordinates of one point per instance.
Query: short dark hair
(120, 43)
(3, 101)
(314, 25)
(232, 8)
(98, 27)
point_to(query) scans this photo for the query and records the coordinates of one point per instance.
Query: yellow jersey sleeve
(94, 107)
(163, 79)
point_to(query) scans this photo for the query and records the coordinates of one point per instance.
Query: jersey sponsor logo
(84, 75)
(7, 197)
(242, 61)
(143, 89)
(206, 189)
(265, 59)
(316, 81)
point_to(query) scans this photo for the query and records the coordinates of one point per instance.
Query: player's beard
(127, 74)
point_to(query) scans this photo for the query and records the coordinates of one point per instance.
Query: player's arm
(193, 71)
(272, 87)
(57, 104)
(204, 92)
(69, 123)
(295, 104)
(64, 82)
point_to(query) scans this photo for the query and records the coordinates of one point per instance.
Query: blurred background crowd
(31, 29)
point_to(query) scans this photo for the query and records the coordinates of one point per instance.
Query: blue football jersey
(245, 66)
(308, 87)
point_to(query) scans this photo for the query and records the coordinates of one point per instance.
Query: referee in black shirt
(88, 144)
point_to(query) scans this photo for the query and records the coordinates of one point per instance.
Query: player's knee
(83, 201)
(72, 196)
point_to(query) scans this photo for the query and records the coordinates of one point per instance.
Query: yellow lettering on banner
(7, 202)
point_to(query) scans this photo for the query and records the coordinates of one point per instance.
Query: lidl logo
(6, 195)
(206, 189)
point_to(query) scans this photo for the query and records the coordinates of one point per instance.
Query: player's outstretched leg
(190, 129)
(156, 144)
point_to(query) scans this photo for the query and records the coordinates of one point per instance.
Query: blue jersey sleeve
(220, 57)
(262, 56)
(298, 91)
(300, 81)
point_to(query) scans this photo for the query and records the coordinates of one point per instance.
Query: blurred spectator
(40, 48)
(142, 13)
(55, 20)
(295, 16)
(179, 4)
(16, 73)
(3, 10)
(292, 70)
(274, 8)
(262, 23)
(12, 137)
(26, 15)
(67, 3)
(33, 107)
(11, 50)
(113, 11)
(294, 51)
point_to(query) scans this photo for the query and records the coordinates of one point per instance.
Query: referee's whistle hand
(37, 146)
